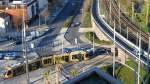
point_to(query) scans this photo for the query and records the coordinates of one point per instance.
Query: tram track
(126, 22)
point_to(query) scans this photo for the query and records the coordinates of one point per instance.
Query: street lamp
(25, 43)
(114, 40)
(119, 17)
(139, 62)
(110, 8)
(149, 38)
(132, 11)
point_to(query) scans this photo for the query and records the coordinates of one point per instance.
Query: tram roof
(77, 52)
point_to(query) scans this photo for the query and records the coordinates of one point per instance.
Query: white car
(10, 56)
(28, 38)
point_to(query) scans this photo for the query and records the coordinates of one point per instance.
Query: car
(28, 38)
(90, 51)
(76, 49)
(75, 24)
(54, 15)
(66, 50)
(100, 51)
(10, 56)
(1, 56)
(135, 51)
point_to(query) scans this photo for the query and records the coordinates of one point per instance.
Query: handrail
(132, 46)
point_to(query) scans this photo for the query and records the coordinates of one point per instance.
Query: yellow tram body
(44, 62)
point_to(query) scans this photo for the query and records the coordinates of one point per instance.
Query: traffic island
(92, 36)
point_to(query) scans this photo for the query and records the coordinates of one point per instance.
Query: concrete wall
(122, 55)
(99, 34)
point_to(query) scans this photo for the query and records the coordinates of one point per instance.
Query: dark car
(66, 50)
(1, 56)
(100, 51)
(75, 24)
(89, 51)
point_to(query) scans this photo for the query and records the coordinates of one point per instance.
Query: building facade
(5, 22)
(33, 7)
(29, 8)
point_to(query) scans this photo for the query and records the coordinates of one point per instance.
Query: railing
(130, 48)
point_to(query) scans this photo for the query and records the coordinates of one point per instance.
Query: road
(54, 28)
(73, 29)
(120, 41)
(36, 76)
(49, 36)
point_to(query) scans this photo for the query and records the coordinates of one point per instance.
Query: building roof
(93, 76)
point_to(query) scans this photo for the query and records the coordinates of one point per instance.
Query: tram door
(116, 52)
(35, 65)
(65, 58)
(9, 74)
(83, 56)
(19, 70)
(47, 62)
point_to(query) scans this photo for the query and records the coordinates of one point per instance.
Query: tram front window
(9, 72)
(47, 61)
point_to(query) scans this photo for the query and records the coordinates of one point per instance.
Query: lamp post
(110, 10)
(24, 43)
(119, 18)
(139, 62)
(149, 38)
(132, 11)
(114, 48)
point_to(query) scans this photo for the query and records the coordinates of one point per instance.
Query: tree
(46, 77)
(73, 72)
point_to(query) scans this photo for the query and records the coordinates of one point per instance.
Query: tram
(12, 71)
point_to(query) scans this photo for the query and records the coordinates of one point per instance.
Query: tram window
(38, 64)
(9, 72)
(47, 61)
(66, 58)
(19, 70)
(76, 56)
(34, 65)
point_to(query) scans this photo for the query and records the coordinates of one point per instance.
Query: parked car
(100, 51)
(1, 56)
(66, 50)
(89, 51)
(10, 56)
(75, 24)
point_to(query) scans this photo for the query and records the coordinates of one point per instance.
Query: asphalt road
(57, 25)
(54, 29)
(73, 29)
